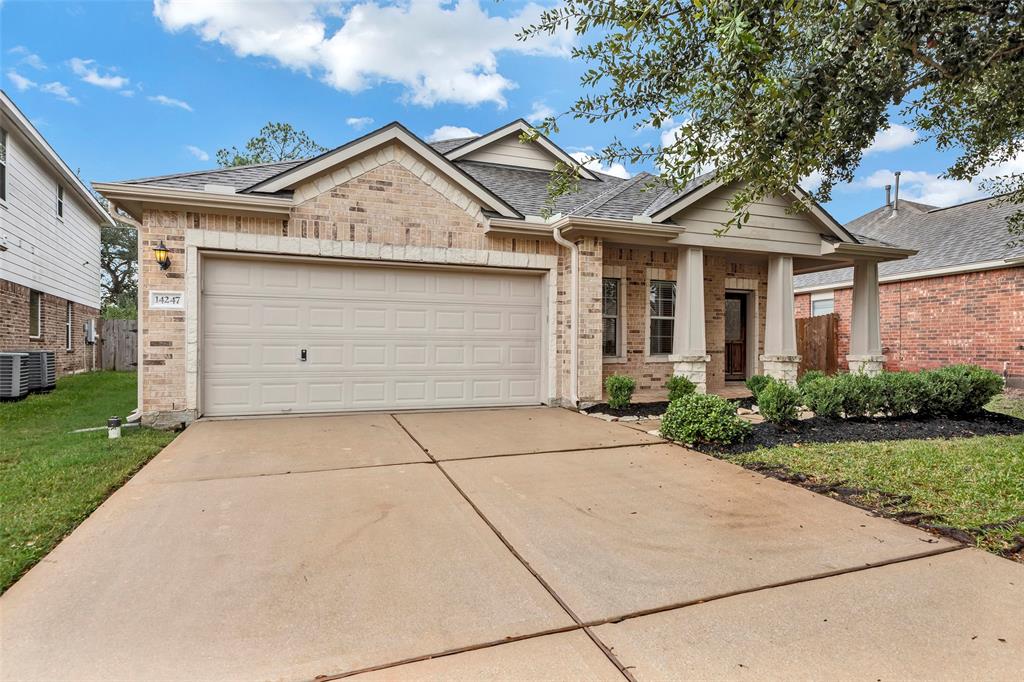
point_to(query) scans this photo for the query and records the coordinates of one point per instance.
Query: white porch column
(865, 323)
(689, 348)
(780, 359)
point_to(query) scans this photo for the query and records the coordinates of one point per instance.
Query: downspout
(574, 258)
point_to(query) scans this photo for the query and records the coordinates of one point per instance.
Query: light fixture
(163, 257)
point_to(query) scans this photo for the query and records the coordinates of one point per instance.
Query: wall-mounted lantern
(163, 256)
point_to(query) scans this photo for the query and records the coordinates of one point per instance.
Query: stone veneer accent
(784, 367)
(388, 199)
(14, 328)
(866, 364)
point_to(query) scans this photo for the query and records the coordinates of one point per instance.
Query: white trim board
(920, 274)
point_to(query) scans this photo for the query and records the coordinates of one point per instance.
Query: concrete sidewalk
(294, 548)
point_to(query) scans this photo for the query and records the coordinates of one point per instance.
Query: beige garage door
(294, 337)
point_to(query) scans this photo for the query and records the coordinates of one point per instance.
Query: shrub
(620, 390)
(861, 394)
(700, 418)
(779, 402)
(902, 393)
(756, 383)
(679, 386)
(823, 397)
(809, 376)
(959, 390)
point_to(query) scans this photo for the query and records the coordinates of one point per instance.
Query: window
(60, 201)
(823, 304)
(610, 317)
(35, 314)
(3, 164)
(67, 326)
(663, 311)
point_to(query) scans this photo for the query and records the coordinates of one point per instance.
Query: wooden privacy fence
(119, 345)
(817, 342)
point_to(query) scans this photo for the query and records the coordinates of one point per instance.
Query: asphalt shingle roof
(944, 237)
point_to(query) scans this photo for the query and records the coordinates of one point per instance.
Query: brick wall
(14, 328)
(641, 264)
(386, 204)
(975, 317)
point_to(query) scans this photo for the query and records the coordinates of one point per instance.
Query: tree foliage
(275, 142)
(772, 91)
(119, 265)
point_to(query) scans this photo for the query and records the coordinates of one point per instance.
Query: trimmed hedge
(620, 390)
(779, 402)
(955, 391)
(701, 418)
(679, 387)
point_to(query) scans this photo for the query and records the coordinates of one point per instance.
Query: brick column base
(784, 367)
(694, 368)
(867, 364)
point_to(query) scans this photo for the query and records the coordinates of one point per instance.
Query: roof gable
(391, 133)
(502, 146)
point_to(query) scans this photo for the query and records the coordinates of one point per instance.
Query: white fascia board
(919, 274)
(866, 251)
(390, 133)
(19, 119)
(520, 126)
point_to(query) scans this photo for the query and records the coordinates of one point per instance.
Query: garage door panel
(376, 337)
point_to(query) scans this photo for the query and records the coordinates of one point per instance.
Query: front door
(735, 337)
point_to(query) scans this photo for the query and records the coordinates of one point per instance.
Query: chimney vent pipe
(896, 195)
(888, 195)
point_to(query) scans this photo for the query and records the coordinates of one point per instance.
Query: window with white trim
(610, 323)
(662, 316)
(35, 314)
(823, 303)
(3, 164)
(60, 201)
(68, 339)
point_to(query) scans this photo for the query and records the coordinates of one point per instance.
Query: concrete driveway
(498, 544)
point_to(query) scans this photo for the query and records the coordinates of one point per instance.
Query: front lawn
(972, 485)
(51, 479)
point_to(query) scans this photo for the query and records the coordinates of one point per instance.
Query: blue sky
(130, 89)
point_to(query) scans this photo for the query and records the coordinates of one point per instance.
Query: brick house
(960, 299)
(390, 273)
(49, 248)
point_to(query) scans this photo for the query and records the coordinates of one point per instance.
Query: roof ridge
(607, 195)
(936, 209)
(220, 169)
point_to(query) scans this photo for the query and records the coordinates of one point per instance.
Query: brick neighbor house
(49, 248)
(390, 273)
(960, 299)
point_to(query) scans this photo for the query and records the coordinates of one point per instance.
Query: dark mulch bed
(634, 410)
(820, 430)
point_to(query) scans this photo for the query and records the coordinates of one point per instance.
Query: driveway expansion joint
(522, 560)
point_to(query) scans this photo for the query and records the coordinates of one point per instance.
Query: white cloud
(170, 102)
(812, 182)
(358, 122)
(60, 91)
(440, 51)
(539, 112)
(21, 83)
(616, 169)
(928, 188)
(195, 151)
(450, 133)
(894, 137)
(55, 88)
(84, 69)
(28, 58)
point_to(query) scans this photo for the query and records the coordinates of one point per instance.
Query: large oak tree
(773, 91)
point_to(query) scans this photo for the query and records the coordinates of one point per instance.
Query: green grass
(51, 479)
(965, 482)
(1007, 404)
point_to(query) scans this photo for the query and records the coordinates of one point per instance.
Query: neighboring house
(390, 274)
(960, 299)
(49, 248)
